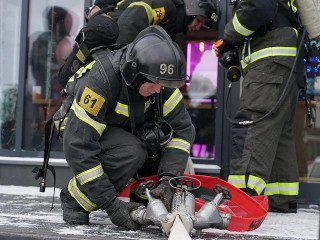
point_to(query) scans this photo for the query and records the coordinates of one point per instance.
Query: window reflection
(10, 25)
(199, 94)
(307, 131)
(52, 29)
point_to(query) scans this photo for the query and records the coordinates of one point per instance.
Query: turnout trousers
(263, 157)
(122, 155)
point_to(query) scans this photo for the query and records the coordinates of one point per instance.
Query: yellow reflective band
(256, 183)
(82, 115)
(71, 79)
(269, 52)
(84, 69)
(295, 30)
(179, 144)
(146, 105)
(90, 175)
(118, 4)
(238, 181)
(172, 102)
(122, 109)
(288, 189)
(62, 125)
(293, 7)
(146, 7)
(80, 197)
(80, 56)
(239, 28)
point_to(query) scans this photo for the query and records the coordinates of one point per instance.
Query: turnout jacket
(259, 22)
(133, 16)
(95, 107)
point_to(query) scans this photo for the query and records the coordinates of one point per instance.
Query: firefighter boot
(276, 205)
(73, 213)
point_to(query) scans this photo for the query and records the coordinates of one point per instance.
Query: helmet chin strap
(138, 82)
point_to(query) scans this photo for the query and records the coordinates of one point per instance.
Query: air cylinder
(309, 13)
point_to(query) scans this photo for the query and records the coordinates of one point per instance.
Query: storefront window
(53, 26)
(200, 96)
(10, 24)
(307, 130)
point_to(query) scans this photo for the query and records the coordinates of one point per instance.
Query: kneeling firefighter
(124, 114)
(265, 34)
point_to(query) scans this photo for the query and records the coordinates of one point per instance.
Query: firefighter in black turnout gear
(263, 158)
(124, 113)
(118, 25)
(174, 16)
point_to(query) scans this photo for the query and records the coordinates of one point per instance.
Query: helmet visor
(178, 83)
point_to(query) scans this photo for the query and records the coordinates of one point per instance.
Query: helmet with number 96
(156, 57)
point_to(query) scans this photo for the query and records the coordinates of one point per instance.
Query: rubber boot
(73, 213)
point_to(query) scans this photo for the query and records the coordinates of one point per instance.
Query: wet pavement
(29, 217)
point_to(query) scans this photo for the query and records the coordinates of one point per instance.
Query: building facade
(35, 39)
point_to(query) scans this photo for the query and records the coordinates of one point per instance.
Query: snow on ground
(303, 226)
(31, 191)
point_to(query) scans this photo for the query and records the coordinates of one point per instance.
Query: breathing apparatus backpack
(309, 13)
(101, 30)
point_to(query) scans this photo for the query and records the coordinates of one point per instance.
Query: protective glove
(164, 192)
(119, 213)
(221, 46)
(212, 9)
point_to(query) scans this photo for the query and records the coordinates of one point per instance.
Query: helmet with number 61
(156, 57)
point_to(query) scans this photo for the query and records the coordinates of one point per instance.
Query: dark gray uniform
(98, 144)
(132, 16)
(263, 159)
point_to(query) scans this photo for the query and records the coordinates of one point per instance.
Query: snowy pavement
(25, 214)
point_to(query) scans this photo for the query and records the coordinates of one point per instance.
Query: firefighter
(263, 158)
(124, 113)
(119, 25)
(175, 16)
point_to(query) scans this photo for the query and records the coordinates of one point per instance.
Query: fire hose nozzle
(155, 213)
(224, 223)
(209, 215)
(139, 216)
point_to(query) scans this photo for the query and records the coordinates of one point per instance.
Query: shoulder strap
(108, 72)
(159, 106)
(290, 15)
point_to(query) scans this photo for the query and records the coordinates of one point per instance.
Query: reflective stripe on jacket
(133, 16)
(270, 45)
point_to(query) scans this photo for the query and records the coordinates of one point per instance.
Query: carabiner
(246, 46)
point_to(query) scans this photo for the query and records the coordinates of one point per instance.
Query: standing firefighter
(263, 158)
(126, 115)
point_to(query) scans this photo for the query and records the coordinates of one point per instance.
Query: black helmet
(207, 8)
(155, 56)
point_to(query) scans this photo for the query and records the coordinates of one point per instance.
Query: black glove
(221, 46)
(212, 9)
(164, 192)
(119, 213)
